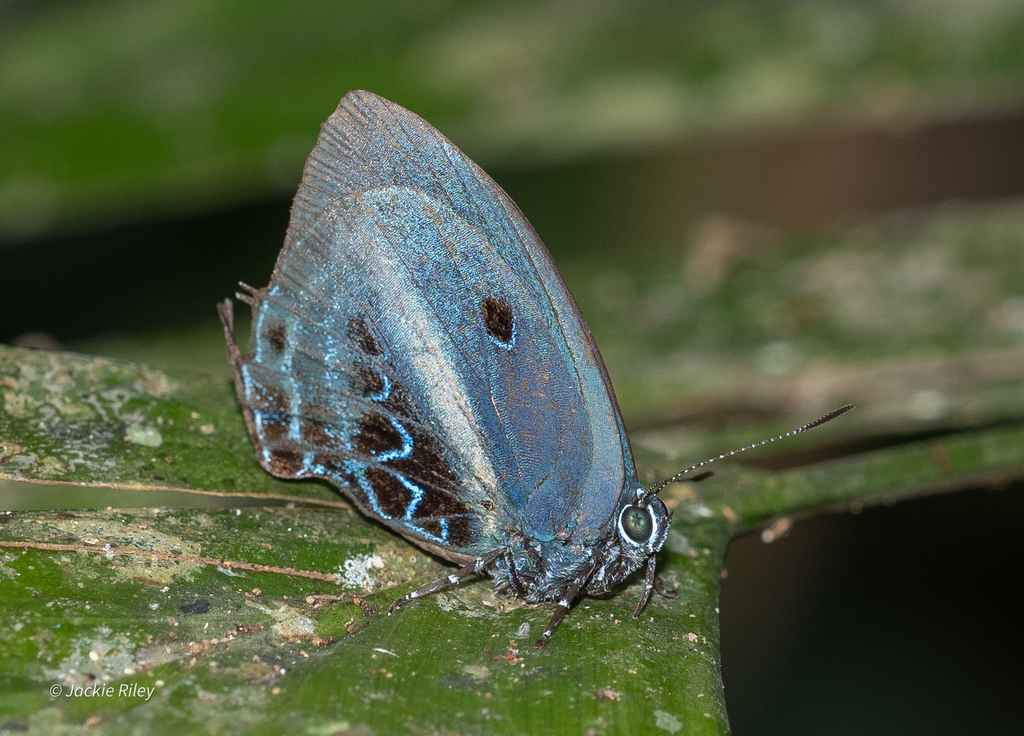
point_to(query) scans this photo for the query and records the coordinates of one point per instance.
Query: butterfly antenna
(816, 423)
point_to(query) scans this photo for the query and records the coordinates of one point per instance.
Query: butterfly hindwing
(417, 347)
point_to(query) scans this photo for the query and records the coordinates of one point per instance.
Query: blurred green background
(764, 209)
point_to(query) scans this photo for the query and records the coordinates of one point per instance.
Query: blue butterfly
(417, 348)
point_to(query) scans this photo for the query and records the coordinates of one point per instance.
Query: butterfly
(417, 348)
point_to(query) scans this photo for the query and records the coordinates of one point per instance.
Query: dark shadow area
(788, 178)
(164, 274)
(145, 276)
(900, 620)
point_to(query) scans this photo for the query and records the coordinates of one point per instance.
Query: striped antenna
(816, 423)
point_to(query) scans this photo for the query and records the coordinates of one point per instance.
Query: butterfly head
(643, 525)
(641, 529)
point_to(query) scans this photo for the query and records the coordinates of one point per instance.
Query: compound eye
(637, 524)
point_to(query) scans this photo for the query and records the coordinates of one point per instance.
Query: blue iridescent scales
(417, 348)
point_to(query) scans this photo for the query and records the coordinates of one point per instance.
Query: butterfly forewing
(417, 348)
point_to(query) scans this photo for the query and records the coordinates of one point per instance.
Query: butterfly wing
(417, 347)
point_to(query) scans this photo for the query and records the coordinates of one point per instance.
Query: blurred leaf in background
(115, 108)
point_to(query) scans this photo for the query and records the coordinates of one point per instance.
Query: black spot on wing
(498, 320)
(432, 527)
(376, 435)
(284, 463)
(426, 465)
(460, 533)
(276, 337)
(274, 427)
(370, 383)
(437, 503)
(272, 404)
(400, 402)
(359, 332)
(393, 397)
(318, 437)
(392, 495)
(458, 530)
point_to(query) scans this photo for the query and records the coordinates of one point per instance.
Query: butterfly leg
(653, 582)
(513, 576)
(480, 564)
(563, 604)
(227, 318)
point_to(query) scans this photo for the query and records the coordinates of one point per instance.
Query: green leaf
(250, 620)
(110, 598)
(76, 419)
